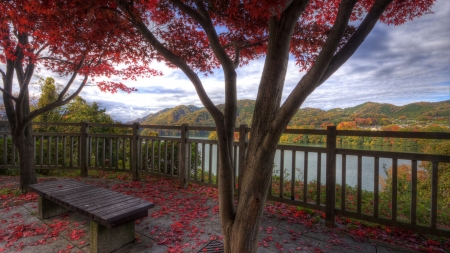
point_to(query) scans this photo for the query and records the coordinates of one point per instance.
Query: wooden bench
(111, 214)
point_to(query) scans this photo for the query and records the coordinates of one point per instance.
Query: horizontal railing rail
(315, 177)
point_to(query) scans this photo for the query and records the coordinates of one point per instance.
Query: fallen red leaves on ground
(187, 213)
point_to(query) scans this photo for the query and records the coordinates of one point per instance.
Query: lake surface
(351, 164)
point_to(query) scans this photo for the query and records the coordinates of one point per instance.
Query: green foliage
(49, 94)
(367, 115)
(78, 110)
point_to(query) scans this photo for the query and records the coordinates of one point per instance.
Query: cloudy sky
(397, 65)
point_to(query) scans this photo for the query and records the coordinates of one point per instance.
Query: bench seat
(112, 214)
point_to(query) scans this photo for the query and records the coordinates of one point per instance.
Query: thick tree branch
(225, 132)
(214, 41)
(8, 102)
(9, 95)
(357, 38)
(172, 58)
(309, 81)
(275, 66)
(20, 73)
(23, 94)
(225, 127)
(189, 11)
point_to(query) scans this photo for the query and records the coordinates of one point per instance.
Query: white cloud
(397, 65)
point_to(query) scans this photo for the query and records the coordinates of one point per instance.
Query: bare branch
(58, 102)
(54, 59)
(8, 94)
(259, 43)
(42, 48)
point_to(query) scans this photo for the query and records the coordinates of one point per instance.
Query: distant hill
(369, 113)
(196, 116)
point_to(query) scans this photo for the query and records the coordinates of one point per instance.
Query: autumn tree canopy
(197, 36)
(62, 37)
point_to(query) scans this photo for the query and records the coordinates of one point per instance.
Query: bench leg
(105, 239)
(49, 208)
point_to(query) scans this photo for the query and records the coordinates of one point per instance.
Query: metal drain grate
(213, 246)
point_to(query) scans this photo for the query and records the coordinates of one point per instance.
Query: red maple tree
(198, 36)
(62, 37)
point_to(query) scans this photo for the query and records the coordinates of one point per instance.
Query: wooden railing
(189, 159)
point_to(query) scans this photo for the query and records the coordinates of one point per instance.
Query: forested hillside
(367, 115)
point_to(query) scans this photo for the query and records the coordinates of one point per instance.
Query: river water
(351, 164)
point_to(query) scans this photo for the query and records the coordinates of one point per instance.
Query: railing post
(84, 130)
(134, 152)
(184, 166)
(331, 177)
(243, 139)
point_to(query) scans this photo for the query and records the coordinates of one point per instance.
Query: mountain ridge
(378, 113)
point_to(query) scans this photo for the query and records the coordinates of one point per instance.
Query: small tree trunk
(25, 148)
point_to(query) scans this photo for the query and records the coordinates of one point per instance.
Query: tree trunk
(25, 148)
(242, 234)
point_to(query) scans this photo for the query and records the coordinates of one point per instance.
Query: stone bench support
(105, 239)
(48, 209)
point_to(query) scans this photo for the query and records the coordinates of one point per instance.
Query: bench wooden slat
(117, 207)
(85, 207)
(68, 192)
(101, 202)
(103, 196)
(84, 195)
(93, 206)
(107, 207)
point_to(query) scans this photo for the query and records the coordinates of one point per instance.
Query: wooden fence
(189, 159)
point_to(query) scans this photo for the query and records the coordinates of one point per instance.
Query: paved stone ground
(180, 222)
